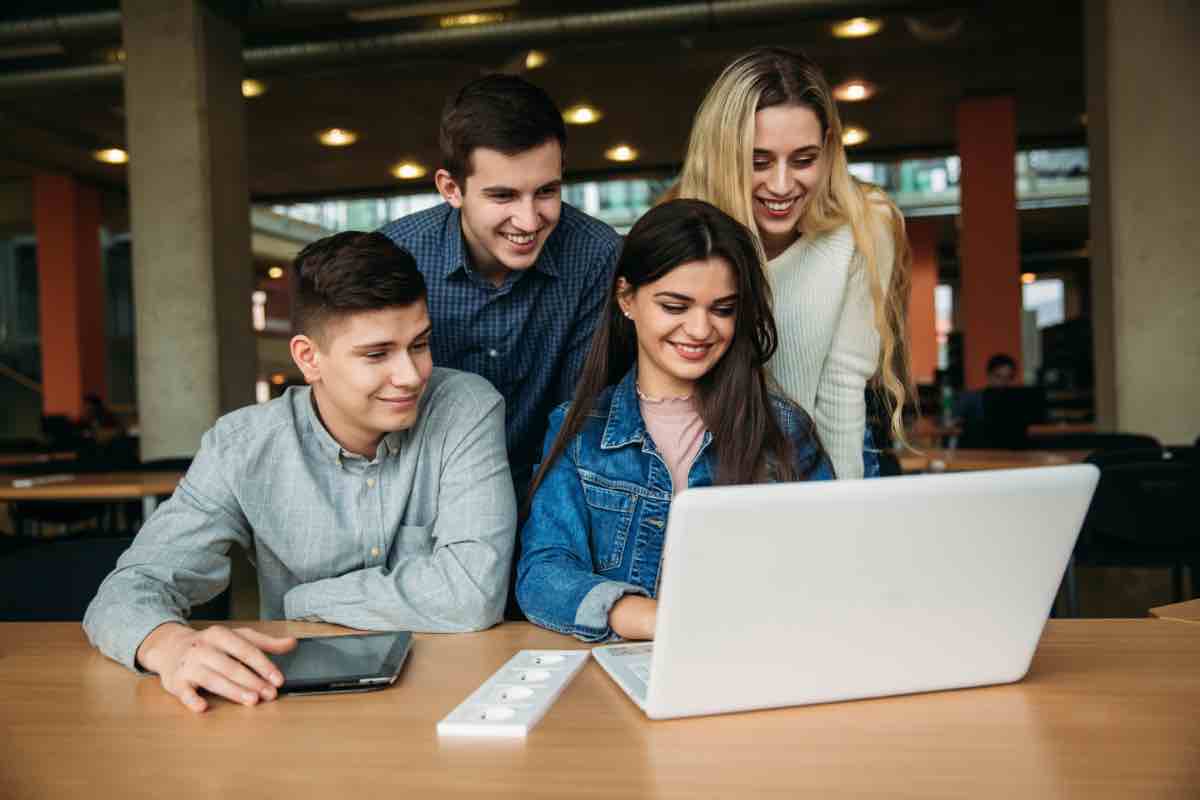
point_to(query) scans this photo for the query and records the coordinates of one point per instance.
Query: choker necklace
(651, 399)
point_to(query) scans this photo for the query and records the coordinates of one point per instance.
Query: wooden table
(1109, 710)
(24, 459)
(1059, 428)
(1187, 611)
(97, 486)
(959, 460)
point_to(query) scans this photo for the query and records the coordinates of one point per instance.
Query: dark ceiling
(648, 81)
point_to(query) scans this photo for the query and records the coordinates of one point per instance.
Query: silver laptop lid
(786, 594)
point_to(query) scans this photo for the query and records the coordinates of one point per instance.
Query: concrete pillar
(922, 316)
(189, 206)
(989, 244)
(1143, 74)
(66, 221)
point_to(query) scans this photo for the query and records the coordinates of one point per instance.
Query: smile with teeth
(519, 238)
(777, 206)
(691, 350)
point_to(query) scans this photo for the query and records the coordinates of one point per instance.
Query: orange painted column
(989, 245)
(66, 220)
(922, 316)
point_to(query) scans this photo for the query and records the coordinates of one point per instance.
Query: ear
(307, 356)
(450, 189)
(625, 297)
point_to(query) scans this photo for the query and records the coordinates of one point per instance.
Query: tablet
(354, 663)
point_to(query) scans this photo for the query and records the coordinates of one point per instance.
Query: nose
(404, 372)
(779, 182)
(525, 216)
(697, 326)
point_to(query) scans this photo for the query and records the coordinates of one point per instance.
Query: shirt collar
(326, 444)
(625, 424)
(457, 255)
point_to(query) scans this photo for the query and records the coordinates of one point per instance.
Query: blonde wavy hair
(718, 168)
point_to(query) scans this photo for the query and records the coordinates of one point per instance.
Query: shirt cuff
(591, 618)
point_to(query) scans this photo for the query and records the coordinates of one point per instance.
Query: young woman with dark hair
(673, 395)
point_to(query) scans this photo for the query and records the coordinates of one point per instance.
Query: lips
(523, 242)
(691, 352)
(400, 402)
(777, 208)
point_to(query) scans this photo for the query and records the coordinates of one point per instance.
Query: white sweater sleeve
(840, 412)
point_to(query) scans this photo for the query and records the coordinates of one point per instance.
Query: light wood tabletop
(1108, 710)
(1187, 611)
(960, 460)
(99, 486)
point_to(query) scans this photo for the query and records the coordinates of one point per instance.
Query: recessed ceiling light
(252, 88)
(621, 152)
(582, 114)
(857, 28)
(337, 137)
(410, 9)
(474, 18)
(1028, 277)
(408, 170)
(111, 155)
(275, 273)
(535, 59)
(854, 91)
(854, 135)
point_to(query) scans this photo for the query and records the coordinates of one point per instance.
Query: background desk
(959, 460)
(1109, 710)
(97, 486)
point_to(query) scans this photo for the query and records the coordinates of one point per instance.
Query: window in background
(943, 308)
(1047, 299)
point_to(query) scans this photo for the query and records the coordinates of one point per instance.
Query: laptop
(796, 593)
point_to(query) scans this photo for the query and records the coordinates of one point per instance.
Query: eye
(761, 163)
(375, 355)
(548, 191)
(724, 311)
(419, 347)
(673, 308)
(803, 163)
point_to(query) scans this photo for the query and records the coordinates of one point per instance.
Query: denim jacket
(598, 521)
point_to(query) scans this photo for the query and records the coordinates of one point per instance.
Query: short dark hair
(1001, 360)
(499, 112)
(348, 272)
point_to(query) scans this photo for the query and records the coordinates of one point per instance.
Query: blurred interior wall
(923, 235)
(1143, 73)
(189, 205)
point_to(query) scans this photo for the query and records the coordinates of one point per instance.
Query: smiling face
(788, 150)
(368, 370)
(684, 323)
(509, 206)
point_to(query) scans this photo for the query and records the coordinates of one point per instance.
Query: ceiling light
(410, 10)
(582, 114)
(337, 137)
(857, 28)
(111, 155)
(408, 170)
(275, 273)
(854, 135)
(474, 18)
(854, 91)
(1028, 277)
(535, 59)
(621, 152)
(253, 88)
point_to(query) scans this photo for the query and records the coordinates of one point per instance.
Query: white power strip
(514, 699)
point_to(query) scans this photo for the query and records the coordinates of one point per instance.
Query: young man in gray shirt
(378, 497)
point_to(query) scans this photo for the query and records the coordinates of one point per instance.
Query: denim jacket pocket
(611, 512)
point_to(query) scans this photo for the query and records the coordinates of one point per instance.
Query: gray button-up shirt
(418, 538)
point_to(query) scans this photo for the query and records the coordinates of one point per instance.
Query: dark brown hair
(349, 272)
(732, 397)
(499, 112)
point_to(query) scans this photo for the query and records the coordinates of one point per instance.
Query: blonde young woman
(766, 148)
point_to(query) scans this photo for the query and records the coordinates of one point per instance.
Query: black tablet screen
(335, 658)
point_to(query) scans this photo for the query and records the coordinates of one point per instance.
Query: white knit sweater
(828, 345)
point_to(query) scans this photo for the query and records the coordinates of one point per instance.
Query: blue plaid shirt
(530, 335)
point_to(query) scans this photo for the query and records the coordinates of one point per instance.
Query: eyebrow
(511, 190)
(390, 342)
(677, 296)
(808, 148)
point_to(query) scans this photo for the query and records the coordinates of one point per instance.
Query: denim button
(656, 522)
(493, 352)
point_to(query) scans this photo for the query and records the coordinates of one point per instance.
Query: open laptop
(796, 593)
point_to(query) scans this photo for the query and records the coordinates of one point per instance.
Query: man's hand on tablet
(229, 663)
